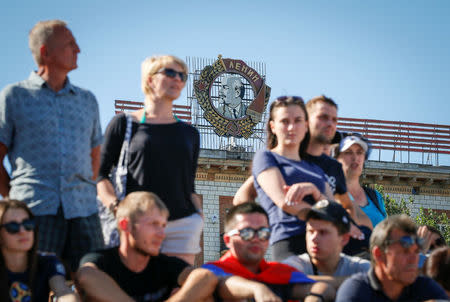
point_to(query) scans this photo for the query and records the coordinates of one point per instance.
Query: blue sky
(381, 59)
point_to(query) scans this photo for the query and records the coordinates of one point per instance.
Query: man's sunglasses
(407, 241)
(172, 73)
(14, 227)
(248, 234)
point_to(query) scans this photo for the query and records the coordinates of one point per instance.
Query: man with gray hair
(50, 130)
(394, 275)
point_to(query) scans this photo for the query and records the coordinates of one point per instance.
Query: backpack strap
(373, 196)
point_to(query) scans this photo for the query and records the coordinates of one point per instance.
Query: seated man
(135, 271)
(394, 275)
(246, 235)
(327, 232)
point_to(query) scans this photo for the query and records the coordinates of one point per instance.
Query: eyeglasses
(172, 73)
(248, 234)
(407, 241)
(13, 227)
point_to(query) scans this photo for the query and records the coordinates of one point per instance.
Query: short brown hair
(320, 99)
(248, 207)
(137, 203)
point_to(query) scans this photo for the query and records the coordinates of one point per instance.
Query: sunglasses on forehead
(13, 227)
(172, 73)
(248, 234)
(407, 241)
(289, 100)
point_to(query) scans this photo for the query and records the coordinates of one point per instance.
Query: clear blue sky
(378, 59)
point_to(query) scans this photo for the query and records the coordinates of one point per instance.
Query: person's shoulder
(15, 88)
(312, 167)
(355, 263)
(84, 93)
(298, 261)
(355, 288)
(188, 127)
(354, 259)
(264, 158)
(425, 282)
(97, 256)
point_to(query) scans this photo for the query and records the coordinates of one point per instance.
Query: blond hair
(151, 65)
(40, 34)
(137, 204)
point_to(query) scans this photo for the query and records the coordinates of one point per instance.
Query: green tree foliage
(425, 216)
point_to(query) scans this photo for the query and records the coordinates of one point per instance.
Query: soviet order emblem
(220, 91)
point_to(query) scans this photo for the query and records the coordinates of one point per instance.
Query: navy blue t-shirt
(19, 286)
(284, 225)
(366, 287)
(333, 172)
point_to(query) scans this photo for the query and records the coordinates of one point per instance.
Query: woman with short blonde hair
(162, 157)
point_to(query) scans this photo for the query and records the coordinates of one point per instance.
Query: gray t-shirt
(348, 265)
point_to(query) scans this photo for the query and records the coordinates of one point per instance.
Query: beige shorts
(183, 235)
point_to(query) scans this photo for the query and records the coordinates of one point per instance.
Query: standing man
(50, 130)
(394, 275)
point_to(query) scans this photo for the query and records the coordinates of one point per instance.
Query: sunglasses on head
(289, 100)
(249, 233)
(13, 227)
(407, 241)
(172, 73)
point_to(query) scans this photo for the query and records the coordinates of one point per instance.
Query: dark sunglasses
(249, 233)
(171, 73)
(408, 241)
(14, 227)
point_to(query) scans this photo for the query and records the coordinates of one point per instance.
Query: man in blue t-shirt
(394, 248)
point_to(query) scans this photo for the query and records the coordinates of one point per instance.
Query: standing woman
(284, 182)
(26, 275)
(163, 154)
(353, 151)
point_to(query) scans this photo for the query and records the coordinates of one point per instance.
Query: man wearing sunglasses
(246, 235)
(394, 275)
